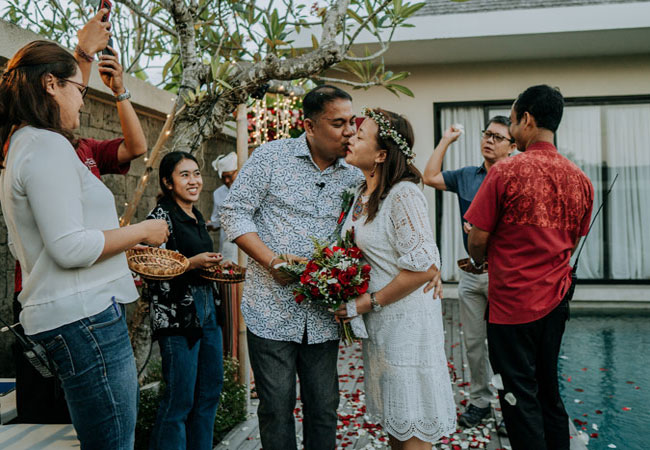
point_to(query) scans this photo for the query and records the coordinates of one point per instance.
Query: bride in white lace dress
(406, 377)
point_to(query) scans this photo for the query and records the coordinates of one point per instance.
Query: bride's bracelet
(270, 264)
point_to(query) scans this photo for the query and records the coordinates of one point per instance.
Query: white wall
(499, 80)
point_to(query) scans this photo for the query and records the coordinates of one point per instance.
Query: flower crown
(386, 130)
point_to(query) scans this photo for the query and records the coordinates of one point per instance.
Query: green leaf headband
(387, 131)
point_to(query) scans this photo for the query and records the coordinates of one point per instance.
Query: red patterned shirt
(535, 206)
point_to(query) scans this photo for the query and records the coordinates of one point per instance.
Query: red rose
(305, 278)
(334, 273)
(328, 252)
(338, 249)
(300, 298)
(311, 267)
(365, 269)
(352, 270)
(314, 291)
(345, 278)
(335, 288)
(362, 288)
(349, 292)
(354, 252)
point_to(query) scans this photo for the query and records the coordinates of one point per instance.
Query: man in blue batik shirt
(496, 144)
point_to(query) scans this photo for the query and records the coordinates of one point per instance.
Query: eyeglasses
(497, 137)
(83, 90)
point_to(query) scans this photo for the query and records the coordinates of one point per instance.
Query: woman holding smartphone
(63, 228)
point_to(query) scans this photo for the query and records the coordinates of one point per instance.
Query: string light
(276, 116)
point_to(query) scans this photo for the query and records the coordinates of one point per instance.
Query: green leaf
(314, 42)
(403, 89)
(355, 16)
(400, 76)
(224, 84)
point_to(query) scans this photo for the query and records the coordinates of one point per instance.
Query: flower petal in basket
(231, 273)
(156, 263)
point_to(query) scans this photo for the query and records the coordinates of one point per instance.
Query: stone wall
(99, 120)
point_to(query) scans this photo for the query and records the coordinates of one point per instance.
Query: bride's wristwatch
(375, 304)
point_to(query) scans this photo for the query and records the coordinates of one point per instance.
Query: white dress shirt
(227, 248)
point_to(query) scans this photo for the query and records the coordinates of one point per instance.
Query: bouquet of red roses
(333, 276)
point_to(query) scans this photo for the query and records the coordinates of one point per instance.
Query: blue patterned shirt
(283, 196)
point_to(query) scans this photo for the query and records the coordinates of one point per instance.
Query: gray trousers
(275, 364)
(473, 295)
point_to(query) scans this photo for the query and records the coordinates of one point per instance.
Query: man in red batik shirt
(528, 217)
(40, 400)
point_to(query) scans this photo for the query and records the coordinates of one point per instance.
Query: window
(604, 137)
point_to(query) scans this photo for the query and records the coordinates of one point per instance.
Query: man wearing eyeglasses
(496, 144)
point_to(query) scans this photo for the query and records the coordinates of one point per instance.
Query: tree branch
(366, 22)
(136, 9)
(193, 70)
(377, 54)
(347, 82)
(333, 17)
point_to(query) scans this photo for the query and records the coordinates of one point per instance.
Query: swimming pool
(604, 371)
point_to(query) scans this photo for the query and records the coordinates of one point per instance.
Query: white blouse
(55, 210)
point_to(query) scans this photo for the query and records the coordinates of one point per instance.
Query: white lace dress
(406, 377)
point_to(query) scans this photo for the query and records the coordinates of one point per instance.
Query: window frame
(568, 101)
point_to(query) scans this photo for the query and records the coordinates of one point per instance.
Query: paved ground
(355, 431)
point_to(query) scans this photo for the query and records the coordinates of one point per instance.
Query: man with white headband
(496, 145)
(226, 167)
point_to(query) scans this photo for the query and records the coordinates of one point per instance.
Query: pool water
(604, 371)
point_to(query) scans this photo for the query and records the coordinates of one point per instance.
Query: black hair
(315, 101)
(502, 120)
(544, 103)
(166, 169)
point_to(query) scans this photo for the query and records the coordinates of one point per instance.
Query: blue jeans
(194, 378)
(94, 360)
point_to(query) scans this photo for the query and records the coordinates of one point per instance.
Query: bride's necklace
(360, 207)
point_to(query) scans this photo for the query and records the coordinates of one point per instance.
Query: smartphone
(107, 5)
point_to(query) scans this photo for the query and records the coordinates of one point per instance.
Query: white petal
(497, 382)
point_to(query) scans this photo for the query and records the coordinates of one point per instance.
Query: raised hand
(93, 37)
(451, 134)
(111, 72)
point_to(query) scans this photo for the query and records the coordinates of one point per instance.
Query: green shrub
(148, 406)
(232, 405)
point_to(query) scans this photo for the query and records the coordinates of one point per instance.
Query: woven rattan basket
(157, 263)
(230, 274)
